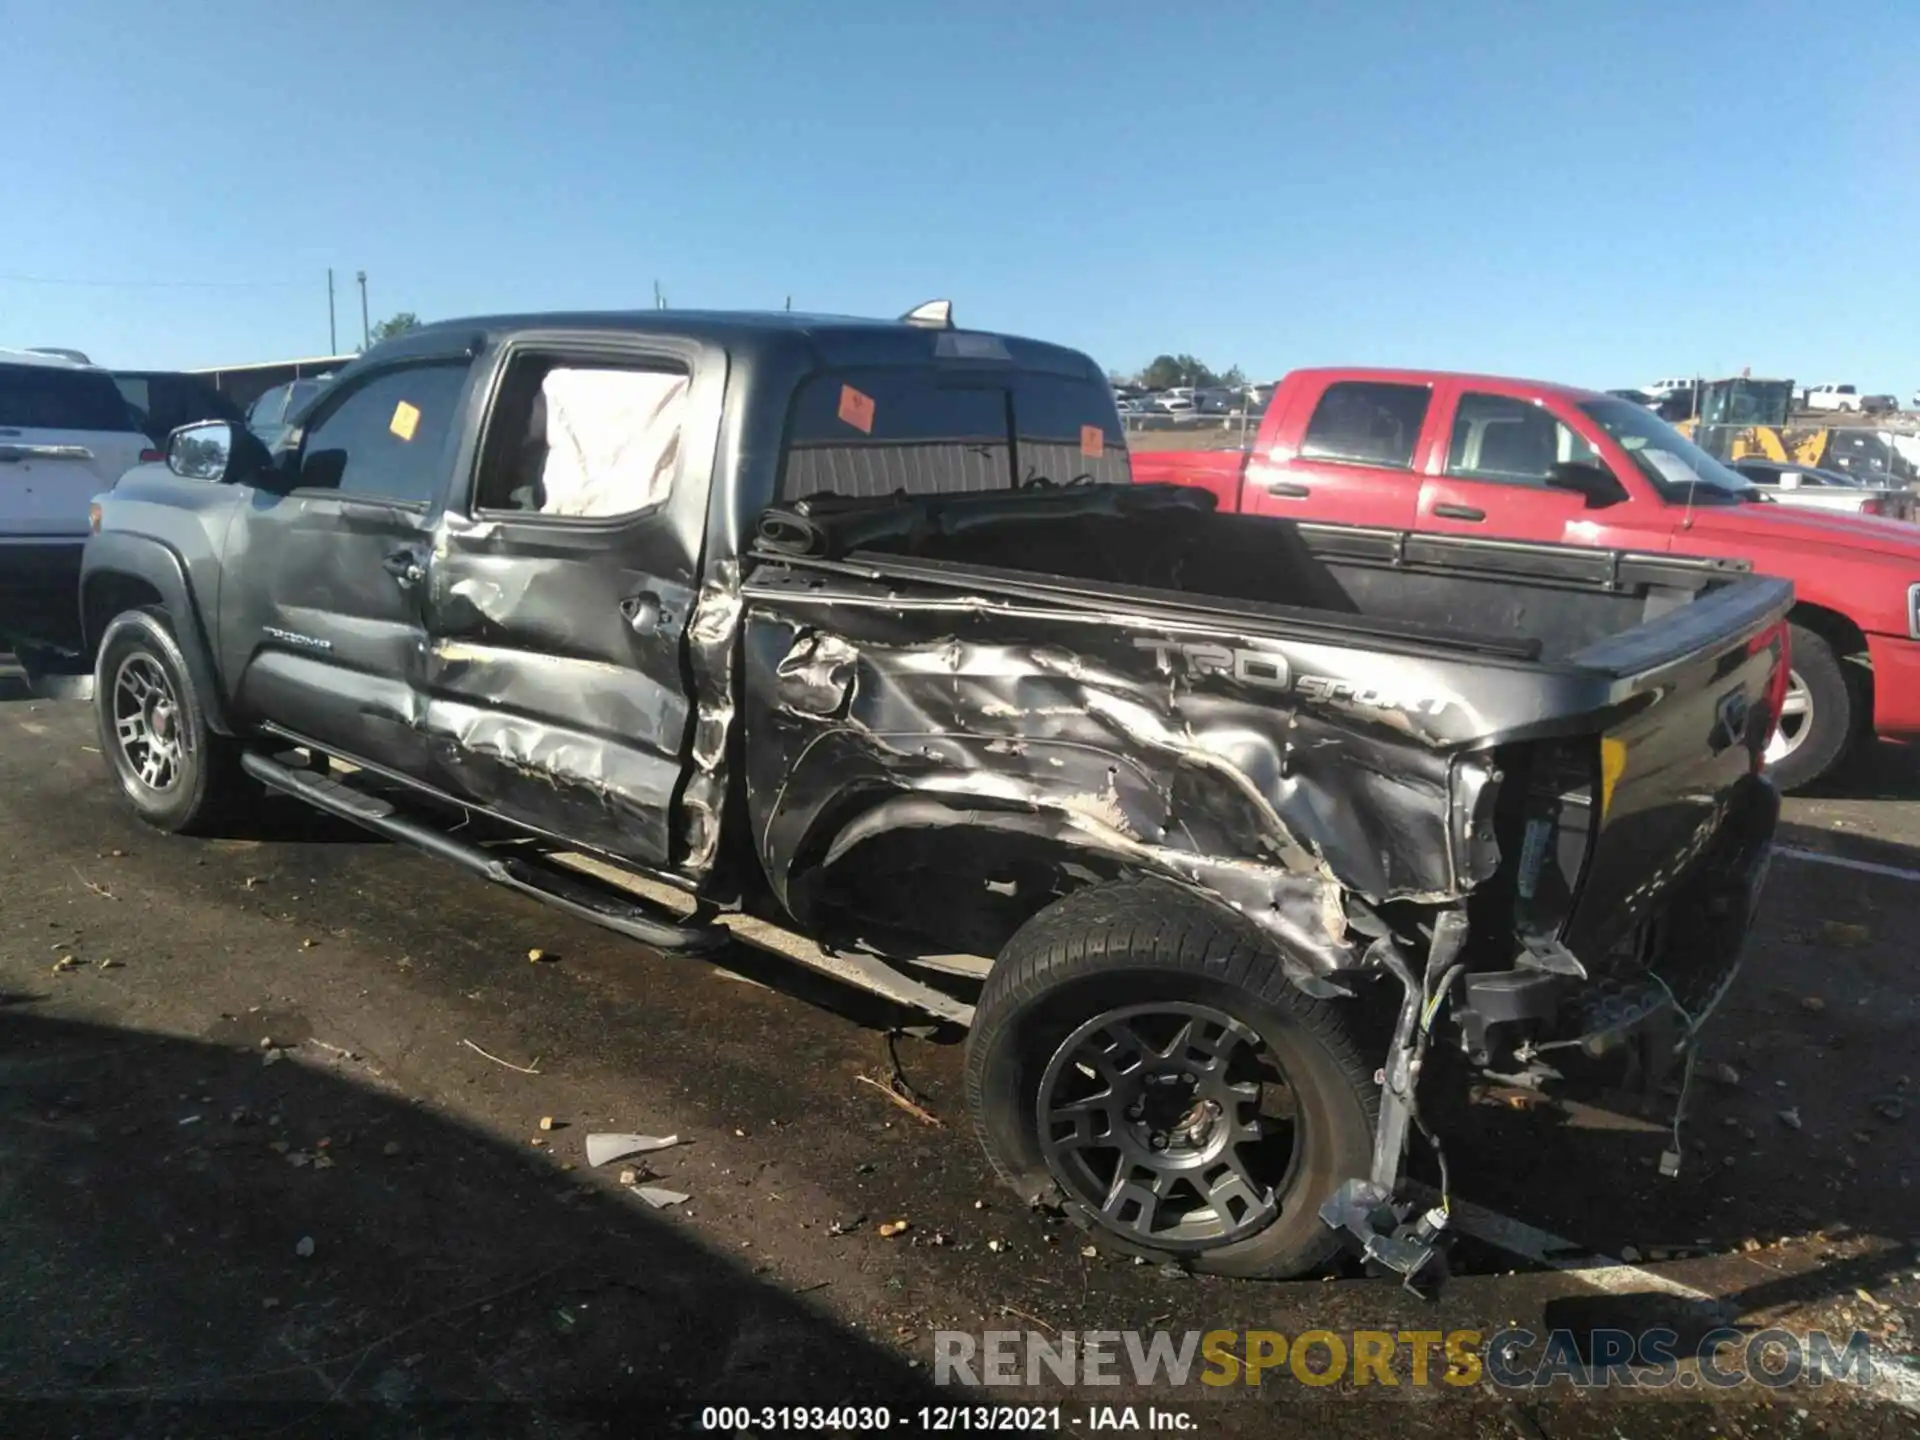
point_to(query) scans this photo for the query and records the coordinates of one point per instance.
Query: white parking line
(1895, 1380)
(1865, 867)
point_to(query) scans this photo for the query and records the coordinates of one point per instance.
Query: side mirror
(1596, 483)
(216, 451)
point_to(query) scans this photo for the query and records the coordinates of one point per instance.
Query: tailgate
(1697, 697)
(48, 477)
(1216, 471)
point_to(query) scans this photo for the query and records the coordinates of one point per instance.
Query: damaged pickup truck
(851, 639)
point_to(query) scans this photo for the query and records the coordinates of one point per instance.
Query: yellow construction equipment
(1743, 416)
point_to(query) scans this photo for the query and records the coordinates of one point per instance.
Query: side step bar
(578, 897)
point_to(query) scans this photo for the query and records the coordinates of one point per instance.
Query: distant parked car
(1816, 489)
(1173, 404)
(66, 434)
(1673, 382)
(1214, 401)
(271, 415)
(164, 400)
(1878, 404)
(1833, 397)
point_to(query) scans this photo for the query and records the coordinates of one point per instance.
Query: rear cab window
(1367, 422)
(48, 397)
(875, 432)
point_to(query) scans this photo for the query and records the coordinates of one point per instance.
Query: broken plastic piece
(1414, 1250)
(659, 1198)
(605, 1149)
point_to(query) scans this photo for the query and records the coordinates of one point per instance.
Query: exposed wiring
(1680, 1105)
(1679, 1009)
(1428, 1012)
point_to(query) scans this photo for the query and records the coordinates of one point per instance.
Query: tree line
(1167, 371)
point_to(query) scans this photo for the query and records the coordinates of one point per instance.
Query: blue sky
(1595, 193)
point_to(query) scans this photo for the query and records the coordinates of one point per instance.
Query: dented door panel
(557, 682)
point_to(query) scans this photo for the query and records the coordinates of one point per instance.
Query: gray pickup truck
(851, 639)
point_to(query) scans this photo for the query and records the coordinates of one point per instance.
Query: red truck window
(1367, 422)
(1496, 437)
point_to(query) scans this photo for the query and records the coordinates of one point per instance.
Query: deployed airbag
(613, 439)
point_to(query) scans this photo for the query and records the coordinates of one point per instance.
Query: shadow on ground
(156, 1195)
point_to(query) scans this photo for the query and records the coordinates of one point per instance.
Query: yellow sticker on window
(406, 420)
(1093, 441)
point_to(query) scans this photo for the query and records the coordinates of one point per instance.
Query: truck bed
(1327, 702)
(1165, 548)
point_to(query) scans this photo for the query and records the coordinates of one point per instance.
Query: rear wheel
(1143, 1062)
(174, 770)
(1817, 718)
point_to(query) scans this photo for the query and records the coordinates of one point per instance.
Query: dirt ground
(272, 1162)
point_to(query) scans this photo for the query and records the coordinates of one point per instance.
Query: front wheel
(1142, 1061)
(173, 769)
(1817, 718)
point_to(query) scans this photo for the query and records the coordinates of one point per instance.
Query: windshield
(1680, 470)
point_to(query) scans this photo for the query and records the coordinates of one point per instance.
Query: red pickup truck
(1478, 455)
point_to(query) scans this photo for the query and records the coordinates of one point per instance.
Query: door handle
(1459, 512)
(404, 566)
(1288, 490)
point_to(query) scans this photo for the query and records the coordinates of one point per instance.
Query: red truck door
(1490, 475)
(1342, 450)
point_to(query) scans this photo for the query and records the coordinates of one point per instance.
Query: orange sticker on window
(406, 420)
(856, 409)
(1093, 441)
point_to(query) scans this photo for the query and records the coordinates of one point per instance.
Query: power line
(157, 284)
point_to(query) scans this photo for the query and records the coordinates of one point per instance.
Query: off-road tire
(209, 786)
(1148, 941)
(1834, 724)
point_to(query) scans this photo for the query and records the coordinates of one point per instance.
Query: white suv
(66, 434)
(1833, 397)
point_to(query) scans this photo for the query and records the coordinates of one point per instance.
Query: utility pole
(333, 338)
(366, 332)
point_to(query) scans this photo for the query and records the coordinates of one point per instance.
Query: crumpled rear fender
(1275, 813)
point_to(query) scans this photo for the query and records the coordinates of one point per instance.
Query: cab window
(1367, 423)
(1496, 437)
(386, 438)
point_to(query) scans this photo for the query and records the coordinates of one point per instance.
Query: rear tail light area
(1780, 636)
(1873, 505)
(150, 456)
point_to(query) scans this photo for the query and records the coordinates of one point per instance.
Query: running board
(577, 896)
(876, 973)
